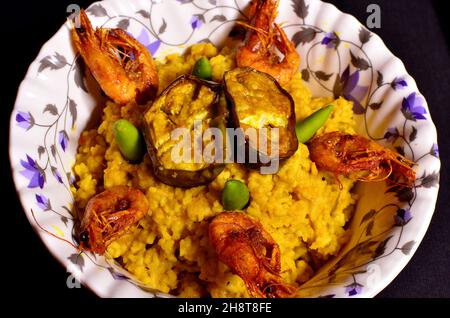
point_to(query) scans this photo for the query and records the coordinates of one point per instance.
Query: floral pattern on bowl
(339, 58)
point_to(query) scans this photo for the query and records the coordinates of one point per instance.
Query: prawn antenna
(263, 35)
(52, 234)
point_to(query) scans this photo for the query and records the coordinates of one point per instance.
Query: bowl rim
(399, 266)
(387, 279)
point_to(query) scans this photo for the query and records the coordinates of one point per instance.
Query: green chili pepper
(306, 128)
(202, 69)
(235, 195)
(130, 141)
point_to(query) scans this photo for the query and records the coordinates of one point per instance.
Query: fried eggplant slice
(190, 106)
(256, 100)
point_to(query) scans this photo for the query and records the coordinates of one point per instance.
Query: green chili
(130, 140)
(306, 128)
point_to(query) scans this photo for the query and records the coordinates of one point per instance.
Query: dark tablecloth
(413, 30)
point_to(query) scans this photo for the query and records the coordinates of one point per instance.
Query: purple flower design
(34, 173)
(391, 134)
(197, 21)
(353, 289)
(153, 47)
(24, 120)
(352, 91)
(116, 275)
(398, 83)
(412, 107)
(43, 202)
(57, 175)
(144, 38)
(331, 40)
(434, 150)
(402, 217)
(63, 139)
(70, 178)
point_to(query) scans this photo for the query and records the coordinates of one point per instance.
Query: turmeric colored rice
(169, 250)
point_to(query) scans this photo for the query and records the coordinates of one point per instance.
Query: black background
(414, 30)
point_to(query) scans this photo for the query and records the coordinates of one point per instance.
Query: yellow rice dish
(169, 250)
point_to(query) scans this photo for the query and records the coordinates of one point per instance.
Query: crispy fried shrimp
(263, 39)
(360, 158)
(122, 66)
(108, 215)
(250, 252)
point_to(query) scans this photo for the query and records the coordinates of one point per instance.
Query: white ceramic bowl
(339, 56)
